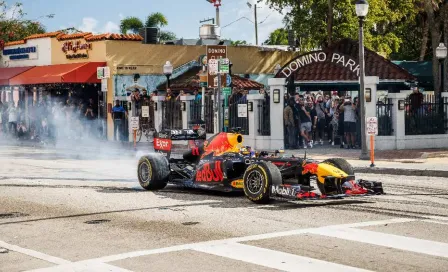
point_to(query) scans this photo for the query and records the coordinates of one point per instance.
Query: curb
(402, 172)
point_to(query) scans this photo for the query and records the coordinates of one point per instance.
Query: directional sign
(224, 66)
(102, 72)
(372, 126)
(228, 80)
(215, 52)
(213, 66)
(226, 93)
(134, 123)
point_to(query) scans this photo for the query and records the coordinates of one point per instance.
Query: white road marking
(34, 254)
(444, 218)
(435, 221)
(83, 267)
(133, 254)
(271, 258)
(387, 240)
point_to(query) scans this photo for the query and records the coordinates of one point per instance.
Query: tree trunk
(330, 19)
(425, 33)
(434, 26)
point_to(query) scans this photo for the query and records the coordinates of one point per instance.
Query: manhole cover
(11, 215)
(99, 221)
(190, 223)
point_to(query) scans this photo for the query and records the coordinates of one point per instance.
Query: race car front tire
(153, 172)
(258, 179)
(341, 164)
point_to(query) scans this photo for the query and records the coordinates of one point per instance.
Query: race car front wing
(350, 188)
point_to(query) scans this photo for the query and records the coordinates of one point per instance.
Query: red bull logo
(310, 168)
(210, 172)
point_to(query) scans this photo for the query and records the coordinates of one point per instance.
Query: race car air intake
(218, 144)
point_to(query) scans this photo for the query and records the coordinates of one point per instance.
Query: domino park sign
(319, 56)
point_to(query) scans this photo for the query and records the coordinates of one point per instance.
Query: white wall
(42, 57)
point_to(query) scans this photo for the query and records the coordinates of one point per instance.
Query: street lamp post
(362, 8)
(168, 71)
(441, 53)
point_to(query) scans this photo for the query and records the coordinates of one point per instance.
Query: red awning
(7, 73)
(61, 73)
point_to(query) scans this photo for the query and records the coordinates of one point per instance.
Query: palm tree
(133, 24)
(155, 19)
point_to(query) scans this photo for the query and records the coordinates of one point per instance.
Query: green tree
(238, 42)
(132, 24)
(278, 37)
(15, 27)
(319, 22)
(155, 19)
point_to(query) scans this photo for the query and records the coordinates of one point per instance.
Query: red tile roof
(189, 81)
(88, 36)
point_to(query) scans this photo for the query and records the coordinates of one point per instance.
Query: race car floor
(83, 210)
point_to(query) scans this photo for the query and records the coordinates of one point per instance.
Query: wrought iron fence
(146, 122)
(235, 121)
(264, 118)
(172, 115)
(425, 115)
(196, 112)
(384, 115)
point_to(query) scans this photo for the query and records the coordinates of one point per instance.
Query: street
(82, 209)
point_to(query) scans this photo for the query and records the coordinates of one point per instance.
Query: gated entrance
(172, 115)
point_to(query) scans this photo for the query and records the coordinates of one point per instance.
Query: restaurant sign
(76, 50)
(20, 53)
(320, 56)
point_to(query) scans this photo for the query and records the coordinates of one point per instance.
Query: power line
(265, 18)
(237, 21)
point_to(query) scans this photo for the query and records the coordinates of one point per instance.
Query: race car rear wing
(163, 140)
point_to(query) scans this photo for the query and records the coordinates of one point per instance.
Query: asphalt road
(83, 210)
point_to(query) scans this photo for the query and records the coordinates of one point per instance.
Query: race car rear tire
(153, 172)
(341, 164)
(258, 179)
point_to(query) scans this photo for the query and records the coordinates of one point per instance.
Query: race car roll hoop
(220, 163)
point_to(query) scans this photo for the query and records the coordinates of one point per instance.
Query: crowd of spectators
(313, 118)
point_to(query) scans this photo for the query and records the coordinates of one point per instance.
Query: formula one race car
(222, 163)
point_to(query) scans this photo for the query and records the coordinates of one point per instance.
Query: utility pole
(256, 25)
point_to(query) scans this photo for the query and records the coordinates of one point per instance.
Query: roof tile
(15, 43)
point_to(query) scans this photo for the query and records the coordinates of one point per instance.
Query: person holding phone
(349, 110)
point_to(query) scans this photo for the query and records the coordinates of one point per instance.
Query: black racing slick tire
(341, 164)
(258, 179)
(153, 172)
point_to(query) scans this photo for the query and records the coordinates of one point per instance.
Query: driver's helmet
(247, 150)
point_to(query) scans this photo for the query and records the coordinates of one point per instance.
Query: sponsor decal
(237, 184)
(162, 135)
(195, 151)
(283, 190)
(210, 172)
(162, 144)
(310, 168)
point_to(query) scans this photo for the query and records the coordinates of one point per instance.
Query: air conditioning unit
(151, 35)
(210, 32)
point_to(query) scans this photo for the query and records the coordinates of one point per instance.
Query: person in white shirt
(13, 115)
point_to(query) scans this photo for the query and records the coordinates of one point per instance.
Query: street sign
(242, 110)
(226, 91)
(102, 72)
(134, 123)
(372, 126)
(224, 66)
(228, 80)
(104, 85)
(215, 52)
(213, 67)
(145, 111)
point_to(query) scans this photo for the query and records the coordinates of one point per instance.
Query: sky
(103, 16)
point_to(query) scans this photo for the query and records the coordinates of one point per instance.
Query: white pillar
(186, 110)
(277, 128)
(370, 85)
(254, 100)
(158, 113)
(445, 105)
(398, 119)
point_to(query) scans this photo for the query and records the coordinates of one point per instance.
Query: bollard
(372, 151)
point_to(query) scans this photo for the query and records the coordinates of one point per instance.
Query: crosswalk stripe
(271, 258)
(387, 240)
(82, 267)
